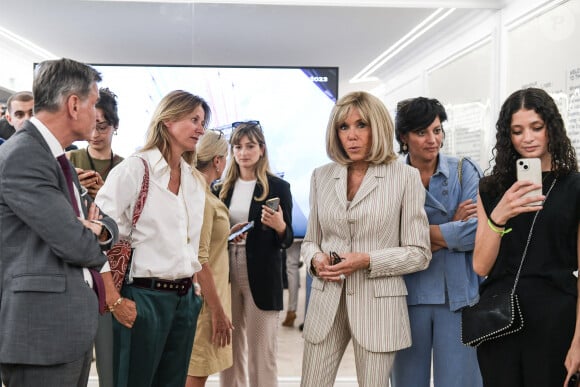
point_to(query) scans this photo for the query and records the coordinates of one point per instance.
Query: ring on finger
(342, 277)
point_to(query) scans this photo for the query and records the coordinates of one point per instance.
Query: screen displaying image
(292, 105)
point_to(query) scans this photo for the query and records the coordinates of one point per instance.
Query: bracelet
(116, 303)
(497, 230)
(495, 224)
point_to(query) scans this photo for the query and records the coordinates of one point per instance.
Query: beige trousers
(320, 362)
(254, 341)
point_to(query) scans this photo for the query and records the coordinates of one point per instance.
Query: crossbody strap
(529, 239)
(460, 171)
(142, 198)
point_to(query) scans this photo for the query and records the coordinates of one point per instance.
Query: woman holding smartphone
(256, 261)
(546, 352)
(94, 163)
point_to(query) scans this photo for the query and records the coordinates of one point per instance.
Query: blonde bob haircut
(262, 169)
(173, 107)
(212, 144)
(374, 113)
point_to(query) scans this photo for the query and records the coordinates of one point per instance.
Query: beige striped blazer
(385, 219)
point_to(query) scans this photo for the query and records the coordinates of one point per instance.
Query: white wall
(528, 43)
(17, 62)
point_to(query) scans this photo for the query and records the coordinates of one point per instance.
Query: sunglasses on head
(251, 122)
(220, 132)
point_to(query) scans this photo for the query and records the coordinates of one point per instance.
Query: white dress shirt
(166, 237)
(57, 151)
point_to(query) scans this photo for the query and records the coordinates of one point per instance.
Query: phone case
(273, 203)
(530, 169)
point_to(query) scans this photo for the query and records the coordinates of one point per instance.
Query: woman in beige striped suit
(367, 209)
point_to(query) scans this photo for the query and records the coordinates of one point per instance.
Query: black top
(263, 245)
(552, 254)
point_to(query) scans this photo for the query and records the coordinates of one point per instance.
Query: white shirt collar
(158, 163)
(50, 139)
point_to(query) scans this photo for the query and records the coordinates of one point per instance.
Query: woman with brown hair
(256, 261)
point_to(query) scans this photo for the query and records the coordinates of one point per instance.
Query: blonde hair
(255, 134)
(375, 114)
(212, 144)
(173, 107)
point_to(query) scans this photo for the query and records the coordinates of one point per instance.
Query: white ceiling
(347, 34)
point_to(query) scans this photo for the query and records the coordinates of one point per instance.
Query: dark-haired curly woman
(547, 350)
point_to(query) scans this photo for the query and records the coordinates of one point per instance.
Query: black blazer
(263, 246)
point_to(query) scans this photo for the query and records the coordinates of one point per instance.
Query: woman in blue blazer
(437, 295)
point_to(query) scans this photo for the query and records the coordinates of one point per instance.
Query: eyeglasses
(251, 123)
(102, 127)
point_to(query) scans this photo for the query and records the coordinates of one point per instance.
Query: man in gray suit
(51, 234)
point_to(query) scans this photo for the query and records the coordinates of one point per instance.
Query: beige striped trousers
(320, 362)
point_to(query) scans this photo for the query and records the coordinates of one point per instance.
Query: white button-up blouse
(166, 237)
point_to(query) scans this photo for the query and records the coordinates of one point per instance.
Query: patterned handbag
(120, 254)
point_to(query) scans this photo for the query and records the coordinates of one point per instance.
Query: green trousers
(156, 350)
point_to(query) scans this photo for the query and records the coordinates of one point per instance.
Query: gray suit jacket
(385, 219)
(48, 313)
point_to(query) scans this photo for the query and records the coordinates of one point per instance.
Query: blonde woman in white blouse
(156, 312)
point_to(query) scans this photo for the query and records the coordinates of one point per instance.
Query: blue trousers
(156, 351)
(436, 334)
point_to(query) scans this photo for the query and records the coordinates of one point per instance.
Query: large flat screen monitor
(292, 104)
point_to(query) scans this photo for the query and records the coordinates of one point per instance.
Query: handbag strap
(529, 239)
(460, 171)
(142, 198)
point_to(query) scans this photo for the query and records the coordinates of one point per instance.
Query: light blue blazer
(450, 275)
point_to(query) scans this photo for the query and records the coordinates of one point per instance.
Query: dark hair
(56, 80)
(560, 148)
(21, 96)
(416, 114)
(108, 104)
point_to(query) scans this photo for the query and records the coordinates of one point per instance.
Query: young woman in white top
(256, 263)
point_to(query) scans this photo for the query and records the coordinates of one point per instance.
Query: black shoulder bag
(496, 315)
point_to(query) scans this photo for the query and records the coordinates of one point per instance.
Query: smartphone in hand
(273, 203)
(530, 169)
(335, 258)
(242, 230)
(574, 380)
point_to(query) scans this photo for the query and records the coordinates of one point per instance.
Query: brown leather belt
(179, 286)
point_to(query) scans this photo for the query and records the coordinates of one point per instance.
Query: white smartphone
(241, 231)
(273, 203)
(530, 169)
